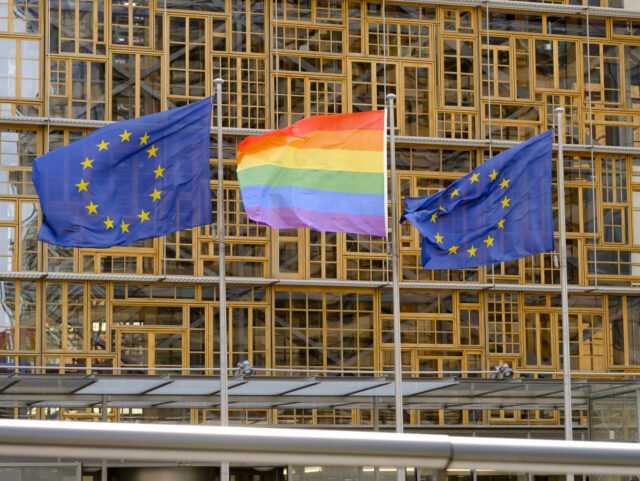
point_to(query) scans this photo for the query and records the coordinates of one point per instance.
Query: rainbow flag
(326, 172)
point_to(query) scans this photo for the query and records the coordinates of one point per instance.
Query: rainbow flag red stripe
(326, 172)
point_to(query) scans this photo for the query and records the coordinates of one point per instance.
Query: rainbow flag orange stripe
(326, 172)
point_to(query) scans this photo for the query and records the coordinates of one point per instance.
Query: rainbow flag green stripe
(325, 180)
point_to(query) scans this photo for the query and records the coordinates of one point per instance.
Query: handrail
(273, 446)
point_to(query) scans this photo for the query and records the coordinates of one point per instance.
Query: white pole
(224, 391)
(566, 354)
(638, 413)
(397, 346)
(105, 419)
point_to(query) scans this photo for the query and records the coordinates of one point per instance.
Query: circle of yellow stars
(83, 186)
(475, 177)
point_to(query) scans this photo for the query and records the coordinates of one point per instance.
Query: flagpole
(397, 346)
(224, 391)
(566, 354)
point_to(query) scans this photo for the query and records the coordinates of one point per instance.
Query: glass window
(604, 74)
(135, 85)
(567, 65)
(7, 248)
(632, 76)
(458, 72)
(130, 23)
(513, 22)
(77, 26)
(7, 315)
(147, 315)
(187, 58)
(633, 328)
(8, 71)
(193, 5)
(19, 16)
(7, 210)
(556, 63)
(77, 89)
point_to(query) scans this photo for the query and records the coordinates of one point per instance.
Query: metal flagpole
(222, 297)
(566, 354)
(397, 346)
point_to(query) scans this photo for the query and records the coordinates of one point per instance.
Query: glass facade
(469, 79)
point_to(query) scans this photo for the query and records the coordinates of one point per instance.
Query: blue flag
(499, 212)
(131, 180)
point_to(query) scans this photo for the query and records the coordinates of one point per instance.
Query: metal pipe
(376, 427)
(268, 281)
(638, 413)
(564, 294)
(404, 139)
(397, 345)
(224, 385)
(104, 419)
(211, 444)
(211, 372)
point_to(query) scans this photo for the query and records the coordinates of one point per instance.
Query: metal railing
(271, 446)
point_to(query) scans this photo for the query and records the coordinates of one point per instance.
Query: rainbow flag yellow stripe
(326, 172)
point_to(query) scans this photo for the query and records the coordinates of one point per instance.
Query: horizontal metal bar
(212, 444)
(38, 465)
(447, 286)
(535, 7)
(435, 141)
(495, 401)
(303, 371)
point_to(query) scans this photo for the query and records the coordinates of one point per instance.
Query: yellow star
(143, 216)
(434, 216)
(443, 209)
(144, 138)
(505, 202)
(82, 186)
(125, 135)
(87, 163)
(103, 145)
(472, 251)
(501, 224)
(152, 151)
(474, 178)
(124, 227)
(108, 223)
(504, 183)
(455, 193)
(453, 250)
(156, 194)
(159, 172)
(493, 175)
(93, 208)
(489, 241)
(438, 238)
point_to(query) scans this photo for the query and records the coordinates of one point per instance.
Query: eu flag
(131, 180)
(499, 212)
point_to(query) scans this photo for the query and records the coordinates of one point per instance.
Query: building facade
(471, 78)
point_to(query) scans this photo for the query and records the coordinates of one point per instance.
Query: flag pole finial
(558, 110)
(391, 97)
(218, 81)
